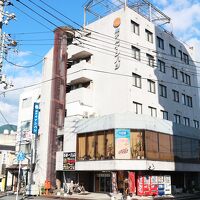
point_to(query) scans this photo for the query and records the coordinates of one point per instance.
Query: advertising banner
(140, 185)
(122, 143)
(114, 182)
(131, 180)
(69, 159)
(35, 126)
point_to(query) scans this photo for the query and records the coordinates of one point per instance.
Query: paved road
(13, 197)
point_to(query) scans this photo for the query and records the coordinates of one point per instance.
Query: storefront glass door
(103, 182)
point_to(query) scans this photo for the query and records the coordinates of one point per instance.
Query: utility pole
(1, 35)
(5, 40)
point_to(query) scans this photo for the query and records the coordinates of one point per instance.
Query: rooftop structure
(96, 9)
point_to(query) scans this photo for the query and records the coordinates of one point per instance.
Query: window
(186, 58)
(174, 73)
(151, 86)
(177, 119)
(164, 114)
(196, 124)
(160, 42)
(183, 99)
(149, 36)
(137, 80)
(175, 95)
(189, 101)
(172, 50)
(136, 53)
(135, 27)
(185, 78)
(150, 59)
(161, 66)
(163, 90)
(153, 111)
(186, 121)
(137, 107)
(180, 54)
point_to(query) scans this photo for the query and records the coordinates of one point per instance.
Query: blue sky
(31, 47)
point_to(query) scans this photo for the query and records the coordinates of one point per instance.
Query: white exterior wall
(113, 92)
(42, 150)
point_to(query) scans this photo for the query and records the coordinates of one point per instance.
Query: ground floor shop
(135, 182)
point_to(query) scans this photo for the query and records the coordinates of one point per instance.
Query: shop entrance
(103, 182)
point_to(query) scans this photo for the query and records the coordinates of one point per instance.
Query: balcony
(83, 95)
(79, 73)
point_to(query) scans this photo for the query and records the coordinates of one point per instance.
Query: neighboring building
(131, 108)
(7, 152)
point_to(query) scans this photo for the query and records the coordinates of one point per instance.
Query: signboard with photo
(69, 159)
(122, 143)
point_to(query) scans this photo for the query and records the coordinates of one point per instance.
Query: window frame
(135, 27)
(172, 50)
(163, 90)
(174, 72)
(138, 108)
(177, 119)
(161, 65)
(135, 52)
(149, 36)
(151, 86)
(137, 80)
(165, 113)
(153, 111)
(160, 42)
(176, 97)
(186, 121)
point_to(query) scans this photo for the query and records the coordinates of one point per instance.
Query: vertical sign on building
(116, 25)
(122, 143)
(35, 126)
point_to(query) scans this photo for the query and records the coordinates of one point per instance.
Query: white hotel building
(131, 104)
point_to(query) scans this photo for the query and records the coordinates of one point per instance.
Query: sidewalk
(101, 196)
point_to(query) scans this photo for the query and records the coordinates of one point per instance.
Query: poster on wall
(122, 143)
(69, 159)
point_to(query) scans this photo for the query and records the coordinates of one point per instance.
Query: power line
(104, 34)
(32, 19)
(23, 66)
(6, 120)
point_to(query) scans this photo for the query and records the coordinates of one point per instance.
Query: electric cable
(85, 28)
(32, 17)
(27, 66)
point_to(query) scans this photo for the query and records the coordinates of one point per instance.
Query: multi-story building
(7, 153)
(131, 105)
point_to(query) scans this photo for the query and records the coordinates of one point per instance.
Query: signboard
(35, 118)
(69, 159)
(20, 156)
(122, 143)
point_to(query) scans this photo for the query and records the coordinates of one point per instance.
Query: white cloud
(23, 53)
(10, 99)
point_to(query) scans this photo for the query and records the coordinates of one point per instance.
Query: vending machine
(168, 186)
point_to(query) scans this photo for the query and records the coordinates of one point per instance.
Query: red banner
(131, 180)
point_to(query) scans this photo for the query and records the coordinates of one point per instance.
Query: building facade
(136, 86)
(131, 108)
(7, 154)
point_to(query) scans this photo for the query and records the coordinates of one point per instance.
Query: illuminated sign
(35, 118)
